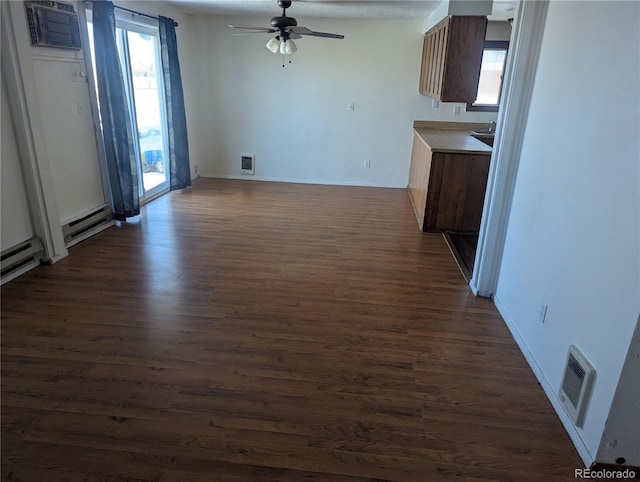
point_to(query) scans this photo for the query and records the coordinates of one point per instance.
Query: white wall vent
(248, 164)
(577, 382)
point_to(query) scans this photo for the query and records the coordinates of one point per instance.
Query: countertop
(451, 137)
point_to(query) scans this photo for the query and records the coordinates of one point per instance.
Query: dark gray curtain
(179, 171)
(114, 113)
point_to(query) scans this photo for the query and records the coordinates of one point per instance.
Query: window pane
(146, 94)
(491, 76)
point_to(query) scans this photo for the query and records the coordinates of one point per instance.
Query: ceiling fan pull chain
(283, 60)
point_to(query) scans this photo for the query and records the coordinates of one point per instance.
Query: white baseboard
(306, 181)
(571, 429)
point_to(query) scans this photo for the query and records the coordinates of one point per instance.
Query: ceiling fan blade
(258, 29)
(248, 33)
(311, 33)
(300, 30)
(295, 36)
(324, 34)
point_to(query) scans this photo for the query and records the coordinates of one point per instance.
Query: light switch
(351, 106)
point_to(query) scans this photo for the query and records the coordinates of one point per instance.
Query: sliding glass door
(139, 49)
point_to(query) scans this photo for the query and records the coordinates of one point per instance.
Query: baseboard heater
(87, 225)
(17, 259)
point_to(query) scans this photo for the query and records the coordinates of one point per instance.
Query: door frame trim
(522, 63)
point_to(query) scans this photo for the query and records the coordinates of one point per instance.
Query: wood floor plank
(249, 331)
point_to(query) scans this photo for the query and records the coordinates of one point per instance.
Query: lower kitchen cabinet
(447, 188)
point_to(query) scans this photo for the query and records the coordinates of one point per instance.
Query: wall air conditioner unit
(577, 382)
(53, 24)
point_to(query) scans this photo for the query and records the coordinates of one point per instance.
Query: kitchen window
(494, 59)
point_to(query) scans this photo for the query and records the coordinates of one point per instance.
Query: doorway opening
(139, 51)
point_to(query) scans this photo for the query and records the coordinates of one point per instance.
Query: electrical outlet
(367, 163)
(456, 110)
(434, 104)
(196, 170)
(351, 106)
(542, 312)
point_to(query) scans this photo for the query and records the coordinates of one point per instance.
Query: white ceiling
(502, 9)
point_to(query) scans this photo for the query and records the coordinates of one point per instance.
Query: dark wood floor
(245, 331)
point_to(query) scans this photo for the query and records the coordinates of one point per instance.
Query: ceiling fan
(286, 29)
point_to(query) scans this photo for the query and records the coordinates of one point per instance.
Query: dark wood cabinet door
(451, 59)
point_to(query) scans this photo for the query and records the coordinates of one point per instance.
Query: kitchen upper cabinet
(451, 59)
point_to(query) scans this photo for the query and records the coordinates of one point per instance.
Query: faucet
(492, 127)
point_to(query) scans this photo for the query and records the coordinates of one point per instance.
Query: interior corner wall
(573, 236)
(16, 222)
(295, 119)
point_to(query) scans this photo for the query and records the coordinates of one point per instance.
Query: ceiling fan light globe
(283, 48)
(273, 45)
(290, 47)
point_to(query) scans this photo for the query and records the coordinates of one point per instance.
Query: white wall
(69, 133)
(573, 239)
(295, 119)
(16, 224)
(64, 114)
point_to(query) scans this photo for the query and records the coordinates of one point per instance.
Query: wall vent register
(247, 164)
(577, 383)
